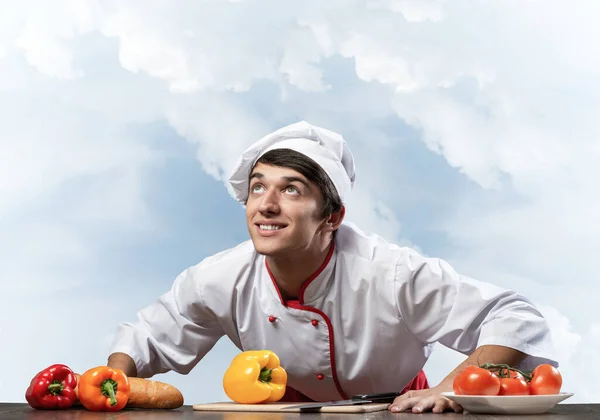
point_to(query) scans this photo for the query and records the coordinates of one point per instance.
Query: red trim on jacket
(315, 274)
(306, 282)
(299, 304)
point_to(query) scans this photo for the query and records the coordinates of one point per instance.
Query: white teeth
(269, 227)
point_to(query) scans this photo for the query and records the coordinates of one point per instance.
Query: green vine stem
(502, 366)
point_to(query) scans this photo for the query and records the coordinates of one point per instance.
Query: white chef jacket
(365, 322)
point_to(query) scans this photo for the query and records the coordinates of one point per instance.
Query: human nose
(269, 202)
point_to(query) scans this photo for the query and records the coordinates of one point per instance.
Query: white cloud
(45, 30)
(177, 45)
(372, 215)
(218, 145)
(48, 55)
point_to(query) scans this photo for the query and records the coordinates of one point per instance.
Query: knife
(357, 399)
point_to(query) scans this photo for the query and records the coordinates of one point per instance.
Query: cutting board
(278, 407)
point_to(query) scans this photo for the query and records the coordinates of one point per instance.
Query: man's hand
(432, 399)
(424, 400)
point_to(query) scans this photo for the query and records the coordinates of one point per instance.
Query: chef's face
(283, 211)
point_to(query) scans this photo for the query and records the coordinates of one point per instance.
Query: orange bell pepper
(103, 389)
(255, 376)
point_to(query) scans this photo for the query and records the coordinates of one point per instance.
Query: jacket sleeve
(439, 305)
(173, 333)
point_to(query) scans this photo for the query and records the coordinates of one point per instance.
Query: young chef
(347, 313)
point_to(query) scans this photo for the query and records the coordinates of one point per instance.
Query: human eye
(256, 188)
(290, 189)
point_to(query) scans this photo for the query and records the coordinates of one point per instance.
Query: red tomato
(546, 379)
(514, 386)
(456, 382)
(476, 381)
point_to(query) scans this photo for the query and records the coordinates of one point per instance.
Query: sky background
(474, 126)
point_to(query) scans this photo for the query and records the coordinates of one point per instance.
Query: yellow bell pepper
(255, 376)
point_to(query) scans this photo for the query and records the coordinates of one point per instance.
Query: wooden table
(14, 411)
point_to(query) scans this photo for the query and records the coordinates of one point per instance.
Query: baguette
(148, 394)
(153, 394)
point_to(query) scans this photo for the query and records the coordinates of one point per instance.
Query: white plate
(507, 404)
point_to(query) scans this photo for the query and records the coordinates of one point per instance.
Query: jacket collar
(313, 287)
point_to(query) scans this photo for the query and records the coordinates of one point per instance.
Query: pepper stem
(55, 388)
(265, 375)
(108, 387)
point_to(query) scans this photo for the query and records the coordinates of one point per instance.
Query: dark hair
(292, 159)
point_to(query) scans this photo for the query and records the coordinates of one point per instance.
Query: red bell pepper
(52, 389)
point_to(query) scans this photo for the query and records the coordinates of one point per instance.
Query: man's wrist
(123, 362)
(445, 385)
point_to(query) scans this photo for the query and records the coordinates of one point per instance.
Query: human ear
(335, 219)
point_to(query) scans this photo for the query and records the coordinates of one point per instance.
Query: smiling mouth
(270, 227)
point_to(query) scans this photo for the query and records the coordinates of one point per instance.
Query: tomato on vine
(545, 379)
(514, 386)
(502, 379)
(475, 380)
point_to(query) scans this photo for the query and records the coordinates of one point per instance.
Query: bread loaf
(146, 393)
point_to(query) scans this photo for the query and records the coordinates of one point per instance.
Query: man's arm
(124, 362)
(431, 399)
(484, 354)
(171, 334)
(489, 323)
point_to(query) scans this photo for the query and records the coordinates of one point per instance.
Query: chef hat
(326, 148)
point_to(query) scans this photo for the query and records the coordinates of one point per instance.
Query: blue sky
(474, 135)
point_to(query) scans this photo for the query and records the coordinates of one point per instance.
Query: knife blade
(356, 399)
